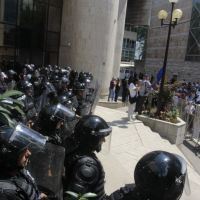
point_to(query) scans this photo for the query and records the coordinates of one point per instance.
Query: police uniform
(20, 187)
(84, 173)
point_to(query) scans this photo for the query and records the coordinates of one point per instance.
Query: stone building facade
(157, 37)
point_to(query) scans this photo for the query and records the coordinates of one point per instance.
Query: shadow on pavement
(191, 146)
(123, 122)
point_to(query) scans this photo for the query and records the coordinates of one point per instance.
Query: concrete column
(119, 36)
(88, 37)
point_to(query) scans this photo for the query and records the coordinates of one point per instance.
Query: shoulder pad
(128, 188)
(87, 170)
(87, 160)
(122, 193)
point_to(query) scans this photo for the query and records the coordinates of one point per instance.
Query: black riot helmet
(27, 88)
(3, 76)
(79, 90)
(50, 116)
(14, 140)
(11, 72)
(30, 68)
(12, 75)
(89, 132)
(65, 100)
(79, 86)
(65, 80)
(160, 175)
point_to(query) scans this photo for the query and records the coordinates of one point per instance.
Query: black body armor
(20, 187)
(128, 192)
(85, 174)
(30, 109)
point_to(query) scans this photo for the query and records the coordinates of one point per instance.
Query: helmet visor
(106, 145)
(63, 112)
(184, 172)
(23, 137)
(104, 132)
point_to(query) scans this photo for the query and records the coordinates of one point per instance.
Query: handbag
(132, 99)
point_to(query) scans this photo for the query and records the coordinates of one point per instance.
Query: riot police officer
(51, 122)
(11, 80)
(84, 172)
(30, 109)
(3, 86)
(159, 175)
(84, 106)
(16, 145)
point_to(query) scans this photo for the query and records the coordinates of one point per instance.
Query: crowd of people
(134, 89)
(61, 131)
(135, 92)
(186, 98)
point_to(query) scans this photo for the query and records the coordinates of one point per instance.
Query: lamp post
(175, 15)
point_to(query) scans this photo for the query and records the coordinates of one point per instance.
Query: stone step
(130, 141)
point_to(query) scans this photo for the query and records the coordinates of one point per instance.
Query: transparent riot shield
(95, 96)
(47, 167)
(84, 109)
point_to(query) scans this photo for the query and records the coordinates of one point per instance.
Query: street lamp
(175, 16)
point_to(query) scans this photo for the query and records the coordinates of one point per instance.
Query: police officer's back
(84, 172)
(158, 175)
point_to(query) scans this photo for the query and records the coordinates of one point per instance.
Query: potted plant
(167, 122)
(10, 107)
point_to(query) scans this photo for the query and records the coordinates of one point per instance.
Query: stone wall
(139, 12)
(178, 44)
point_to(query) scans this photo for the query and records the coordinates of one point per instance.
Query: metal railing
(192, 119)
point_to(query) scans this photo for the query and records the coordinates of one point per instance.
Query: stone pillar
(88, 37)
(119, 36)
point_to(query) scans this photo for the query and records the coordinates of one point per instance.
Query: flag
(159, 75)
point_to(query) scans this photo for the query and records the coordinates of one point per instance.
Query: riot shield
(95, 96)
(47, 167)
(83, 109)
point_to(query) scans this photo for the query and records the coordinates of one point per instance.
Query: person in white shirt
(133, 93)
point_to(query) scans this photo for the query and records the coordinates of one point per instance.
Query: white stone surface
(119, 36)
(173, 132)
(88, 37)
(130, 141)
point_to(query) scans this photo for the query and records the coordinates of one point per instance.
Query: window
(9, 11)
(134, 50)
(193, 48)
(30, 30)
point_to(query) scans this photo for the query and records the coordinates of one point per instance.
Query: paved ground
(129, 142)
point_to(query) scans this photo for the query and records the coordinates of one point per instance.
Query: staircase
(129, 142)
